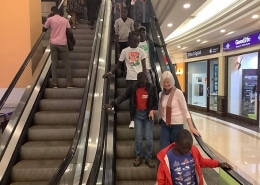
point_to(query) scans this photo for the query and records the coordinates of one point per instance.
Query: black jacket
(130, 93)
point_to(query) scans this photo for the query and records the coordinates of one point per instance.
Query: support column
(20, 28)
(222, 80)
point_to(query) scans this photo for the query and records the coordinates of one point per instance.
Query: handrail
(204, 147)
(20, 71)
(103, 128)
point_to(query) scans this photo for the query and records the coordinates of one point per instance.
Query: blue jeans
(168, 134)
(142, 122)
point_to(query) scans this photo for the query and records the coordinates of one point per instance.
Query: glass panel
(197, 83)
(242, 88)
(213, 85)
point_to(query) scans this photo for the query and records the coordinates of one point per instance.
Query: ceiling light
(211, 9)
(169, 25)
(187, 5)
(183, 47)
(178, 46)
(255, 16)
(198, 40)
(222, 31)
(205, 41)
(229, 33)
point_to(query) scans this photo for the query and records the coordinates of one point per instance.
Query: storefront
(242, 76)
(202, 78)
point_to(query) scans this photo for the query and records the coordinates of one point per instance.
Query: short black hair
(141, 28)
(55, 10)
(184, 135)
(142, 75)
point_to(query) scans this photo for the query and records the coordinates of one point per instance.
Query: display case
(249, 82)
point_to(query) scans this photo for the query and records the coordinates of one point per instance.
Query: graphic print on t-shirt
(182, 169)
(134, 58)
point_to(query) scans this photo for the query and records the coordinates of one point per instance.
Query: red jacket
(164, 173)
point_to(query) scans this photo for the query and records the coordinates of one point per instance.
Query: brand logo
(194, 53)
(243, 41)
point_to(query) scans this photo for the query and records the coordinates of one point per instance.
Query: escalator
(53, 124)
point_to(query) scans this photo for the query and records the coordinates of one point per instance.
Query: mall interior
(63, 136)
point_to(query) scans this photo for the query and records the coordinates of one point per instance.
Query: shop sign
(245, 41)
(205, 51)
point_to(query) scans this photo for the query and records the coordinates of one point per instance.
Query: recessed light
(198, 40)
(255, 16)
(229, 33)
(222, 31)
(205, 41)
(187, 5)
(183, 47)
(178, 46)
(169, 25)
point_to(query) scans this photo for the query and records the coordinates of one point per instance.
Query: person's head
(142, 33)
(183, 142)
(136, 25)
(54, 10)
(134, 41)
(167, 80)
(141, 79)
(124, 13)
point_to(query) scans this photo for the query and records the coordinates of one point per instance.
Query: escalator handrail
(20, 71)
(202, 144)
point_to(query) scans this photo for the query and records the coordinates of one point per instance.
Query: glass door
(212, 89)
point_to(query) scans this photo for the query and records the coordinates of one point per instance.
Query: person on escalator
(148, 46)
(59, 47)
(143, 104)
(134, 58)
(181, 162)
(172, 111)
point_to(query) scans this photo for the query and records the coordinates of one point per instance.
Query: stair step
(34, 170)
(44, 150)
(63, 93)
(62, 82)
(147, 182)
(55, 118)
(51, 132)
(126, 171)
(75, 73)
(60, 104)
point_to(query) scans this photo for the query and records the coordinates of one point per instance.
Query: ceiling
(237, 18)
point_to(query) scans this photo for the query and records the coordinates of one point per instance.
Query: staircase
(126, 173)
(53, 125)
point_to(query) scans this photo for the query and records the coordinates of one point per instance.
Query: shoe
(73, 27)
(132, 125)
(149, 163)
(70, 86)
(55, 86)
(138, 161)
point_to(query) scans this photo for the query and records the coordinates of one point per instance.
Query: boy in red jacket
(181, 162)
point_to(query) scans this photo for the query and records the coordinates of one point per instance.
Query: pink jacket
(164, 174)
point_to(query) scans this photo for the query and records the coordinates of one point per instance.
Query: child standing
(143, 102)
(181, 162)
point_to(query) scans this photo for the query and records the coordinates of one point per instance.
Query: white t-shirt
(132, 58)
(145, 47)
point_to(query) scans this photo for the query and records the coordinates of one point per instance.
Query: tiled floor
(233, 143)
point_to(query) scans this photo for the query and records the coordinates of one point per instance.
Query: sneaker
(138, 161)
(132, 125)
(55, 86)
(149, 163)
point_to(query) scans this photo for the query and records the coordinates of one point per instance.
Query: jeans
(63, 51)
(168, 134)
(142, 122)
